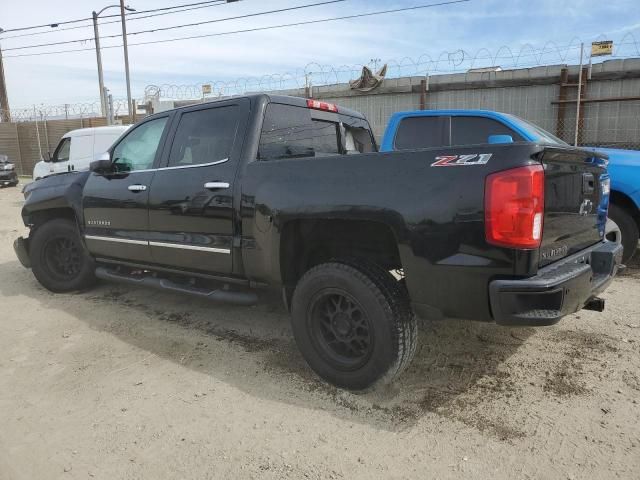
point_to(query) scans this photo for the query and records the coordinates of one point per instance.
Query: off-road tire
(385, 303)
(628, 228)
(45, 243)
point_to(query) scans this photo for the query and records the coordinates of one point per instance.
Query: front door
(115, 204)
(191, 200)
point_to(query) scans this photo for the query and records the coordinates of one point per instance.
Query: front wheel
(58, 259)
(353, 324)
(626, 229)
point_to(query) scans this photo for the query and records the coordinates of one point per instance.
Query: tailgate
(574, 207)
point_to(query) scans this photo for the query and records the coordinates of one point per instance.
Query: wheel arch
(305, 243)
(624, 201)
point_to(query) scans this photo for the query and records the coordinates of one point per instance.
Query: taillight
(318, 105)
(514, 207)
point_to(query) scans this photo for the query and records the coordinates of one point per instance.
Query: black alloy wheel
(58, 258)
(341, 328)
(63, 257)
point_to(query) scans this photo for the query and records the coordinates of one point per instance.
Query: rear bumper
(21, 247)
(557, 290)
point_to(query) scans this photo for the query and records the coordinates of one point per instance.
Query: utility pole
(94, 15)
(96, 38)
(575, 138)
(126, 62)
(5, 115)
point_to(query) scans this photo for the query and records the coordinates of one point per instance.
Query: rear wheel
(58, 259)
(626, 229)
(353, 324)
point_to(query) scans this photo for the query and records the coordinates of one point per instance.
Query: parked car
(442, 128)
(224, 199)
(8, 175)
(77, 149)
(624, 208)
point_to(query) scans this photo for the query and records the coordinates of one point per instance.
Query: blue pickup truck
(441, 128)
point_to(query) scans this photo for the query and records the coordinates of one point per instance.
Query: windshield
(540, 132)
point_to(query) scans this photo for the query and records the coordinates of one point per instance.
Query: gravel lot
(134, 383)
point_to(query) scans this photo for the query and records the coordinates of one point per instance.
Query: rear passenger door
(191, 208)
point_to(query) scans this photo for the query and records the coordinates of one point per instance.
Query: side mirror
(47, 157)
(500, 139)
(101, 164)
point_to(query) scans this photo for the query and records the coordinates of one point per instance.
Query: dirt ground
(124, 383)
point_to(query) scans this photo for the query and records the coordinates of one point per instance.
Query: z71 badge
(462, 160)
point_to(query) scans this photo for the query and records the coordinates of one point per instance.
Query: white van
(77, 149)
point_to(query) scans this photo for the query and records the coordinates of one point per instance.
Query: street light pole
(96, 36)
(126, 62)
(103, 110)
(5, 115)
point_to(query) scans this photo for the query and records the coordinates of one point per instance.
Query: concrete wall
(527, 93)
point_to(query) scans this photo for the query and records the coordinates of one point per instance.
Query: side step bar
(217, 295)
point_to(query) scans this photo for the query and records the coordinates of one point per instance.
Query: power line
(66, 22)
(280, 10)
(256, 29)
(215, 3)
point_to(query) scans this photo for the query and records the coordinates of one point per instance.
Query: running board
(217, 295)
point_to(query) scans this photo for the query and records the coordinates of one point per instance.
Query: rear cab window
(290, 131)
(444, 131)
(477, 130)
(422, 132)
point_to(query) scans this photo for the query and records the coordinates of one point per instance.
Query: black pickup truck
(284, 194)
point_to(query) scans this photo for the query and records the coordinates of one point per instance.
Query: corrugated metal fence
(25, 143)
(546, 96)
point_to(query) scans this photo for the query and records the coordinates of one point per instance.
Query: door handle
(214, 185)
(137, 188)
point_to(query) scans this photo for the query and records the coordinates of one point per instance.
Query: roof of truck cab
(453, 113)
(258, 98)
(504, 118)
(110, 130)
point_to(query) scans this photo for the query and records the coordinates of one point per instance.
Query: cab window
(421, 132)
(62, 152)
(204, 136)
(477, 130)
(137, 150)
(291, 132)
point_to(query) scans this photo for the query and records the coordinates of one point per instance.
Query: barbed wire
(317, 74)
(64, 111)
(455, 61)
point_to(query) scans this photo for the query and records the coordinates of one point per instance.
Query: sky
(492, 32)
